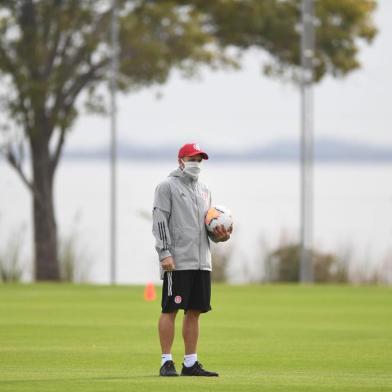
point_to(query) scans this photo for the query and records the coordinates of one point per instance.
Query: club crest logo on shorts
(177, 299)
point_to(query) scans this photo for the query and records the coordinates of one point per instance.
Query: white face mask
(192, 168)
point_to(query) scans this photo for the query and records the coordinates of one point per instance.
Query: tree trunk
(45, 228)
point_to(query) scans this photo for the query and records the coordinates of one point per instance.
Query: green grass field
(259, 338)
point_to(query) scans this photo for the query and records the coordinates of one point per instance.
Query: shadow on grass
(73, 379)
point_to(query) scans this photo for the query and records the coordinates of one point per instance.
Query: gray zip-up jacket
(180, 205)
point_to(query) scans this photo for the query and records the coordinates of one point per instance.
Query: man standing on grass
(182, 242)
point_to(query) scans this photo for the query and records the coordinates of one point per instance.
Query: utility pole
(307, 62)
(113, 146)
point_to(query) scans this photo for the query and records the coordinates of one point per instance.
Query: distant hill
(326, 150)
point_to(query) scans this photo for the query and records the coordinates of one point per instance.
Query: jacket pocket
(186, 244)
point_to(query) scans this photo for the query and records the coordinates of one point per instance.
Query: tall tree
(53, 51)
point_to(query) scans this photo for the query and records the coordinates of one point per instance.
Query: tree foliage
(274, 26)
(52, 50)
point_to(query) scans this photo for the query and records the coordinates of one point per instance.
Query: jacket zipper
(198, 223)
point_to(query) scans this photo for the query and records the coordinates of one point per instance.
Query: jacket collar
(184, 177)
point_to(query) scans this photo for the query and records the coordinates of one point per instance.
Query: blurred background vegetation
(55, 54)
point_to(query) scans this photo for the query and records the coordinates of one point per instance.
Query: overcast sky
(244, 108)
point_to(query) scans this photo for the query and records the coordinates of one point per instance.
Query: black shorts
(190, 289)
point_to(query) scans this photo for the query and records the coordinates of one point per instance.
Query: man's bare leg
(166, 327)
(190, 331)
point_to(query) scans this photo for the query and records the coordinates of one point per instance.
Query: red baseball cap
(191, 149)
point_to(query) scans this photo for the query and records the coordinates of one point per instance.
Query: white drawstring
(169, 284)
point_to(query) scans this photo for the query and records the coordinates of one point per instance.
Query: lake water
(352, 212)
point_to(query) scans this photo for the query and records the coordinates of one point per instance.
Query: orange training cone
(149, 292)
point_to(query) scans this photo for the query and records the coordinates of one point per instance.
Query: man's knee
(192, 313)
(170, 316)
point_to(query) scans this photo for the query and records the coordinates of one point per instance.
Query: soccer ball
(216, 216)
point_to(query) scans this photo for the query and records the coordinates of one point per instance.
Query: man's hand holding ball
(219, 222)
(221, 234)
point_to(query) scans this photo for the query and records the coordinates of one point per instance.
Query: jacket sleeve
(161, 217)
(211, 235)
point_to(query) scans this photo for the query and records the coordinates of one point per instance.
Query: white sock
(190, 359)
(166, 357)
